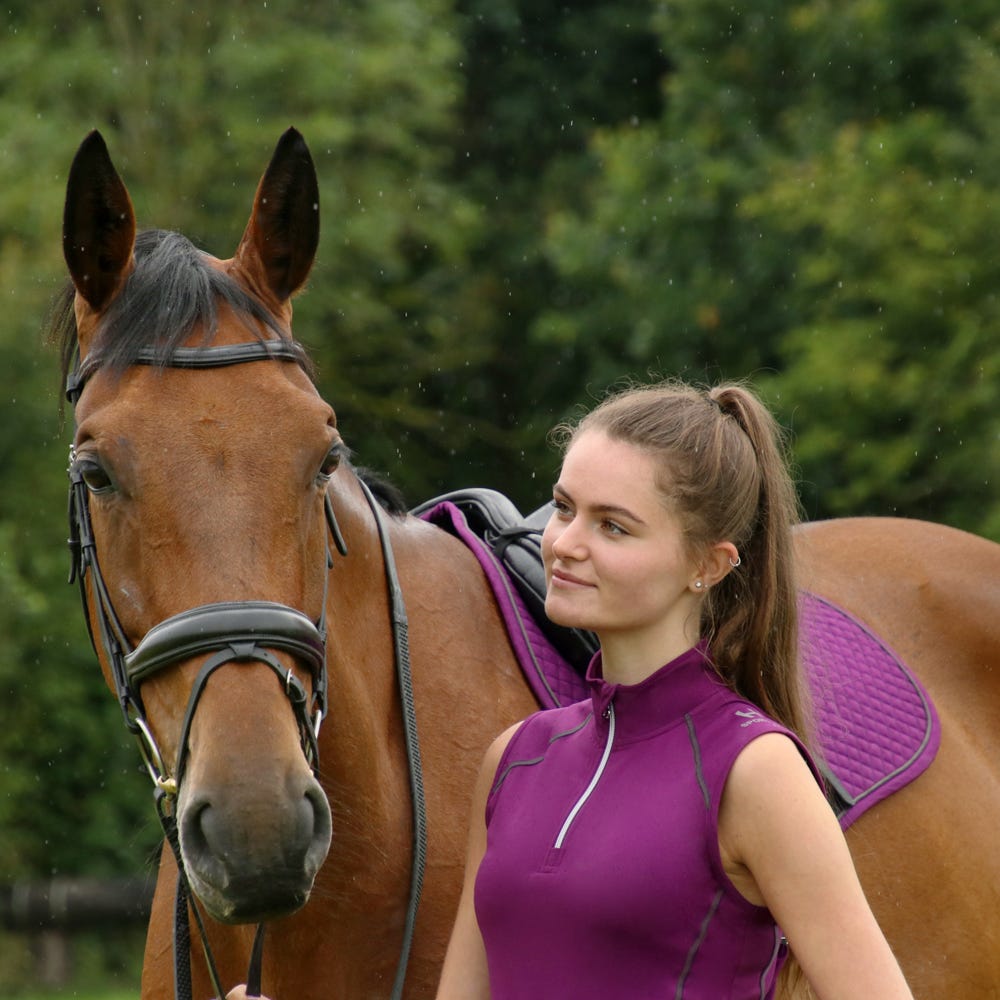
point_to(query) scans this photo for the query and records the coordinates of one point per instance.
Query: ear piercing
(699, 584)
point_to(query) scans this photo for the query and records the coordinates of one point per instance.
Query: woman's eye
(613, 529)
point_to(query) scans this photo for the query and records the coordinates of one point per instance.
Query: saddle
(516, 543)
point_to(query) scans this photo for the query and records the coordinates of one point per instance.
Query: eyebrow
(604, 509)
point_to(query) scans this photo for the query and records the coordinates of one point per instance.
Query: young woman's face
(614, 555)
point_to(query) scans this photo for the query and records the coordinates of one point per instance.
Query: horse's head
(199, 470)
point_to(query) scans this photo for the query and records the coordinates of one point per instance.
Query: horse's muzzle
(248, 862)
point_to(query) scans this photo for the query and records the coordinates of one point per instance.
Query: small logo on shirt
(751, 717)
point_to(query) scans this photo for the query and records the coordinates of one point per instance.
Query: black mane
(389, 496)
(172, 290)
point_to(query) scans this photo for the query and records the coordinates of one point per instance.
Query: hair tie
(711, 399)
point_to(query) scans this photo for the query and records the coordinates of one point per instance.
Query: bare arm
(783, 848)
(464, 975)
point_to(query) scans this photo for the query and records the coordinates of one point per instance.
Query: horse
(241, 584)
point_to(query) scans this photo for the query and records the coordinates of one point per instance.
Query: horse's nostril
(315, 802)
(226, 843)
(199, 836)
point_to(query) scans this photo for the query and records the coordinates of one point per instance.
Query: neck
(626, 660)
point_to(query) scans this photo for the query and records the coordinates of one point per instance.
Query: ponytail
(750, 617)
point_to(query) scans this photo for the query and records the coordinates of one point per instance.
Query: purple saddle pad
(876, 724)
(877, 727)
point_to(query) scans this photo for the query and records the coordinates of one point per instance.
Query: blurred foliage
(816, 208)
(521, 202)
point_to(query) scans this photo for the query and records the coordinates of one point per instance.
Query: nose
(563, 537)
(250, 855)
(253, 822)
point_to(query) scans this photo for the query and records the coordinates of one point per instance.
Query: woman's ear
(718, 562)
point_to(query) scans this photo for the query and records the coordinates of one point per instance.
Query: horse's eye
(331, 462)
(95, 478)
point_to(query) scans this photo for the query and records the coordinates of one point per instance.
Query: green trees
(521, 203)
(817, 207)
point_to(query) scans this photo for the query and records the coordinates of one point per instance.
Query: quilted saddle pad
(876, 725)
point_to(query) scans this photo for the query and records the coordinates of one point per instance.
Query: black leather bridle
(245, 631)
(233, 631)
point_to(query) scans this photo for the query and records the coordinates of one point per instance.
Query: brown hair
(725, 474)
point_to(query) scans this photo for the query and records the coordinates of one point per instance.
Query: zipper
(767, 976)
(581, 801)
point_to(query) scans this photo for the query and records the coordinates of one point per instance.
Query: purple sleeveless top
(602, 876)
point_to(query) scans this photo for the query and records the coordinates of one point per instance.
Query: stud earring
(698, 585)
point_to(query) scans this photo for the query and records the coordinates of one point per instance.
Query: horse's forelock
(172, 290)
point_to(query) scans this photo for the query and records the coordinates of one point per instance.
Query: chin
(556, 611)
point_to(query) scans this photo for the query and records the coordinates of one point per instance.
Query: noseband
(232, 632)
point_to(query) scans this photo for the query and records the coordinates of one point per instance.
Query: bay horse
(239, 583)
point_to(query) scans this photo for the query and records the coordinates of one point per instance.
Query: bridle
(233, 632)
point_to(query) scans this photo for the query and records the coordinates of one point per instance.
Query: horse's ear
(281, 238)
(98, 224)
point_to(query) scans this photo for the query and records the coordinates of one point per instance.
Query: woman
(650, 841)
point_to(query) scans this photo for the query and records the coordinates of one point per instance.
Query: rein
(401, 655)
(234, 632)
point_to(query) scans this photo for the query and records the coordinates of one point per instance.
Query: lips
(561, 578)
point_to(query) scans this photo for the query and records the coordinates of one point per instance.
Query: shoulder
(499, 746)
(769, 779)
(527, 744)
(534, 733)
(728, 725)
(488, 770)
(772, 808)
(772, 773)
(496, 751)
(531, 730)
(771, 794)
(771, 763)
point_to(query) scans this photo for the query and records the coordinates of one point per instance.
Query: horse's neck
(359, 632)
(465, 674)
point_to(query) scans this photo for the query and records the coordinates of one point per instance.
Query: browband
(193, 357)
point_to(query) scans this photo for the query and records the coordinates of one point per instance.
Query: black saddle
(515, 540)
